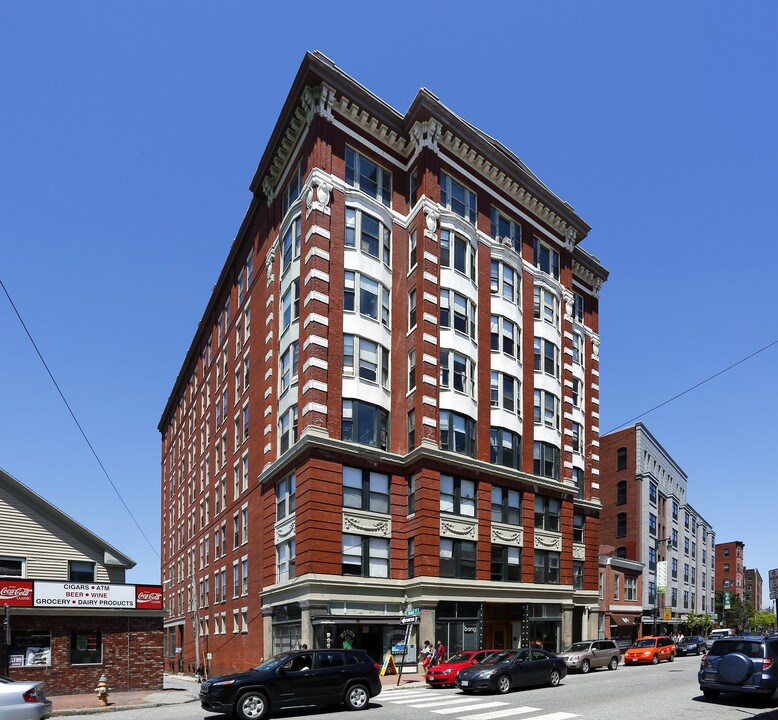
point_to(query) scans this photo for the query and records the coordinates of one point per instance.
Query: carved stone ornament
(579, 552)
(452, 528)
(548, 542)
(269, 188)
(426, 134)
(318, 197)
(269, 260)
(568, 306)
(431, 218)
(595, 348)
(597, 286)
(318, 101)
(285, 530)
(365, 526)
(570, 237)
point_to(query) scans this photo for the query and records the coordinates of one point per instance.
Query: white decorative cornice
(589, 277)
(458, 528)
(426, 135)
(507, 535)
(366, 523)
(548, 541)
(318, 101)
(370, 124)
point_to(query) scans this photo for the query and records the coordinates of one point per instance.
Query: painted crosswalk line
(507, 712)
(482, 706)
(455, 700)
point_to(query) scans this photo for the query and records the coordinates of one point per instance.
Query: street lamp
(657, 543)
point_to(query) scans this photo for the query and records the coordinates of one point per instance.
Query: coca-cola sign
(16, 593)
(148, 597)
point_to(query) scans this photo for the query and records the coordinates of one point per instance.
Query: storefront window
(29, 648)
(545, 626)
(86, 647)
(287, 627)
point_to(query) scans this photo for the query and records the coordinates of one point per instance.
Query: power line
(694, 387)
(75, 419)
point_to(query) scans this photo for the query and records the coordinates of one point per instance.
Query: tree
(763, 621)
(699, 624)
(739, 614)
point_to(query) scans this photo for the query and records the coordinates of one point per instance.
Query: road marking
(482, 706)
(556, 716)
(501, 713)
(451, 701)
(403, 696)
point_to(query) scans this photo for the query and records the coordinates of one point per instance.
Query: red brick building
(621, 599)
(647, 517)
(730, 570)
(391, 402)
(753, 587)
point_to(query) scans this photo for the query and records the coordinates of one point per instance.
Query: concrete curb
(118, 708)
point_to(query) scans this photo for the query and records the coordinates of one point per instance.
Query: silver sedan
(23, 700)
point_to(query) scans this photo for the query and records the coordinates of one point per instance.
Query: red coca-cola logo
(149, 597)
(16, 593)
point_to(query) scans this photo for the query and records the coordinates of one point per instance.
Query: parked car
(590, 654)
(23, 700)
(444, 675)
(300, 677)
(650, 649)
(513, 668)
(692, 645)
(714, 635)
(741, 664)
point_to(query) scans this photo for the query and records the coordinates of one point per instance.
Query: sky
(129, 134)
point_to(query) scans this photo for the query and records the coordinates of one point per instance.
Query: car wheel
(655, 660)
(503, 684)
(710, 694)
(585, 666)
(252, 706)
(357, 697)
(613, 664)
(554, 678)
(671, 658)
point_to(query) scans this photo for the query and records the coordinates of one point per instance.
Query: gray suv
(740, 664)
(590, 654)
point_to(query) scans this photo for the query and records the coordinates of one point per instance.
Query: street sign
(408, 620)
(773, 584)
(726, 597)
(411, 611)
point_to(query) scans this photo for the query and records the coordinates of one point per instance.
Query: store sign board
(103, 596)
(773, 574)
(15, 593)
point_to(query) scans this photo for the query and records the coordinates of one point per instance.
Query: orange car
(650, 649)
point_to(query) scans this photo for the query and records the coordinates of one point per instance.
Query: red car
(443, 675)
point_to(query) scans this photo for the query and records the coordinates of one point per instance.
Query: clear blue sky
(129, 133)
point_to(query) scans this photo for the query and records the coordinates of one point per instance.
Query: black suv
(299, 677)
(741, 664)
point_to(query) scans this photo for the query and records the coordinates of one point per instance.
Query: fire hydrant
(102, 691)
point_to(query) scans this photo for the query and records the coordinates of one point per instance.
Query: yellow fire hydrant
(102, 691)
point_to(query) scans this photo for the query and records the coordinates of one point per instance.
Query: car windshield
(503, 657)
(644, 643)
(274, 661)
(578, 647)
(459, 658)
(490, 658)
(693, 639)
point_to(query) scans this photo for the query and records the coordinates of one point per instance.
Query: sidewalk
(86, 703)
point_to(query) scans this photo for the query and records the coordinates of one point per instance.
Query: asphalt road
(668, 691)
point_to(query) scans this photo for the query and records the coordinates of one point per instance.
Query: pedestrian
(427, 654)
(440, 653)
(200, 673)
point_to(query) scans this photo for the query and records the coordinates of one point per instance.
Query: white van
(716, 634)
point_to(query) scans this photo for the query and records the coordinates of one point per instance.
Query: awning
(622, 621)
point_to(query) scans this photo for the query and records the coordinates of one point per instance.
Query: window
(285, 497)
(373, 359)
(287, 425)
(505, 281)
(365, 556)
(505, 447)
(506, 506)
(575, 393)
(290, 245)
(411, 370)
(621, 459)
(578, 528)
(652, 558)
(457, 496)
(578, 575)
(285, 562)
(621, 551)
(289, 367)
(616, 587)
(364, 423)
(546, 567)
(86, 647)
(578, 345)
(463, 311)
(546, 409)
(369, 177)
(545, 305)
(674, 538)
(457, 252)
(292, 190)
(81, 571)
(457, 559)
(546, 259)
(674, 568)
(368, 234)
(504, 336)
(621, 525)
(411, 429)
(290, 306)
(412, 309)
(578, 480)
(547, 513)
(457, 433)
(652, 524)
(577, 430)
(456, 197)
(506, 564)
(545, 460)
(365, 490)
(366, 296)
(505, 391)
(630, 588)
(578, 308)
(457, 372)
(505, 228)
(411, 557)
(675, 510)
(11, 567)
(32, 646)
(652, 490)
(545, 357)
(413, 187)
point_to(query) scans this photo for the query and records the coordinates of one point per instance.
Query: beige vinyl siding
(45, 545)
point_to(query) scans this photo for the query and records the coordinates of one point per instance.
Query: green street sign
(727, 598)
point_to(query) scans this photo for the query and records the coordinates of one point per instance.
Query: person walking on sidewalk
(440, 653)
(427, 654)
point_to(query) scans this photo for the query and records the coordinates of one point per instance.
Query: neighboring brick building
(418, 430)
(730, 569)
(72, 617)
(646, 517)
(753, 588)
(621, 599)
